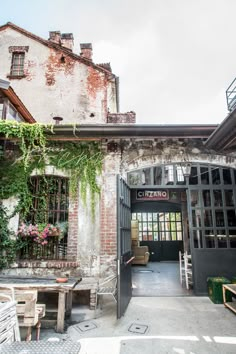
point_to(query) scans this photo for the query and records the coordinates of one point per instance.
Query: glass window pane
(197, 238)
(155, 236)
(179, 175)
(169, 174)
(134, 178)
(194, 198)
(221, 238)
(206, 198)
(232, 238)
(219, 218)
(157, 175)
(231, 217)
(196, 216)
(229, 198)
(193, 179)
(204, 175)
(1, 110)
(210, 239)
(227, 176)
(179, 236)
(178, 217)
(146, 176)
(215, 175)
(218, 198)
(208, 218)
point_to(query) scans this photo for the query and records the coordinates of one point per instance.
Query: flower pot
(61, 280)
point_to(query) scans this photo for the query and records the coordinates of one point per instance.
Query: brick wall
(72, 246)
(128, 118)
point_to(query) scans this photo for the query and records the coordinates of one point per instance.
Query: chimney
(67, 40)
(55, 37)
(86, 50)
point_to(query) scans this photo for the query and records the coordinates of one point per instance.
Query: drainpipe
(117, 83)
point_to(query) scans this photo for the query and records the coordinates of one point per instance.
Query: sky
(175, 58)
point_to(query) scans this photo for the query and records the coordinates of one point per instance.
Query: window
(161, 226)
(12, 114)
(1, 108)
(51, 199)
(213, 205)
(17, 65)
(50, 206)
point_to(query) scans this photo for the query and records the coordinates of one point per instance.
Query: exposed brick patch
(47, 264)
(96, 82)
(115, 118)
(13, 49)
(58, 62)
(72, 246)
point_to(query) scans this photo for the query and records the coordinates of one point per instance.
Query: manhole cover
(86, 326)
(138, 328)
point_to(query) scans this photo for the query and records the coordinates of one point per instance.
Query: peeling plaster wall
(88, 238)
(69, 89)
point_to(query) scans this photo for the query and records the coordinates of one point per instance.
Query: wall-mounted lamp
(186, 168)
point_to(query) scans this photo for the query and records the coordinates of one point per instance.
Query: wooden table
(64, 291)
(232, 288)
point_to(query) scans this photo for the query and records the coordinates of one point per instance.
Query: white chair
(107, 287)
(181, 267)
(185, 269)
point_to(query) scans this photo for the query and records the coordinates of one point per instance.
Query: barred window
(50, 207)
(51, 199)
(17, 65)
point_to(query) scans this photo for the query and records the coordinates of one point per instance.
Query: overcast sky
(175, 58)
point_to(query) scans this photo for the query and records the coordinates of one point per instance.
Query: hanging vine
(82, 160)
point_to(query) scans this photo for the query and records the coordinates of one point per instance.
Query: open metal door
(124, 253)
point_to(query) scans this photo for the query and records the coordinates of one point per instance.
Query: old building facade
(176, 211)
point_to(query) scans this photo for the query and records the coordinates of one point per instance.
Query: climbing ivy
(8, 245)
(82, 161)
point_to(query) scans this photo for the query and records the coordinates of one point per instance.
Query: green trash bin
(215, 293)
(233, 281)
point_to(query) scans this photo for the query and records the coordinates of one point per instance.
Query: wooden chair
(107, 287)
(28, 311)
(9, 326)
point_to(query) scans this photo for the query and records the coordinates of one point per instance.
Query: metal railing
(231, 95)
(55, 249)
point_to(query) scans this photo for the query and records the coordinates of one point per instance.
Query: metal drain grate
(86, 326)
(138, 328)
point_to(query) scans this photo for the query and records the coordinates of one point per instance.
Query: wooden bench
(29, 313)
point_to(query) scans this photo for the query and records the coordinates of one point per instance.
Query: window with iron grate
(50, 205)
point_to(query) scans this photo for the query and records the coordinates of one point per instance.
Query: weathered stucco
(56, 84)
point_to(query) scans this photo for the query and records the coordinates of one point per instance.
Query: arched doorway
(206, 202)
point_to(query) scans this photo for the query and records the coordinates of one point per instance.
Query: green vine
(82, 161)
(8, 245)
